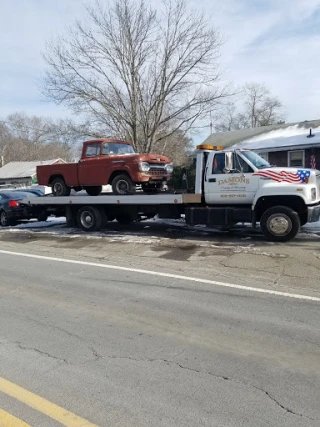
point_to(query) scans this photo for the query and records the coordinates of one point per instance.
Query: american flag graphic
(313, 162)
(300, 176)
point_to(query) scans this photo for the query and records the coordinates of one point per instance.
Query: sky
(276, 42)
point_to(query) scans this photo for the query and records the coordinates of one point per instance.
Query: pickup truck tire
(122, 184)
(280, 223)
(94, 191)
(59, 187)
(89, 218)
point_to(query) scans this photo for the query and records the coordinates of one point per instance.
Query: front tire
(122, 185)
(89, 219)
(94, 191)
(280, 223)
(59, 187)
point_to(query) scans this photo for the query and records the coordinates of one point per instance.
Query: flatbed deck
(112, 199)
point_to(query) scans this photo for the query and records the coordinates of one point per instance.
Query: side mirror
(229, 162)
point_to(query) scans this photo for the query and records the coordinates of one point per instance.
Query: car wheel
(42, 217)
(59, 187)
(4, 220)
(122, 185)
(280, 223)
(94, 191)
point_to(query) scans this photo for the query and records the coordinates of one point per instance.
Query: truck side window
(105, 149)
(239, 163)
(219, 163)
(93, 150)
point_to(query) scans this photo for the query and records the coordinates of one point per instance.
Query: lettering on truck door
(224, 186)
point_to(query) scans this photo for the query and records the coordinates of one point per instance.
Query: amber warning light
(210, 147)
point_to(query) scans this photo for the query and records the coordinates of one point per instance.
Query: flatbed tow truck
(231, 186)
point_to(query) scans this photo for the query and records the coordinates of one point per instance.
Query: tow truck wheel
(59, 187)
(122, 185)
(89, 218)
(280, 223)
(94, 191)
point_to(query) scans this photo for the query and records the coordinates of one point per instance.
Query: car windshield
(256, 160)
(116, 148)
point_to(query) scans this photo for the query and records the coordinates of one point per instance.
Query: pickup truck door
(89, 169)
(233, 187)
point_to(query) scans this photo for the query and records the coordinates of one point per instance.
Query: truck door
(225, 185)
(89, 166)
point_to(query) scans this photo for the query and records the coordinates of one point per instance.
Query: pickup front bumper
(314, 213)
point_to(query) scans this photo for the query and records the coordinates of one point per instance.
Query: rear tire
(42, 217)
(4, 220)
(122, 185)
(94, 191)
(89, 218)
(280, 224)
(59, 187)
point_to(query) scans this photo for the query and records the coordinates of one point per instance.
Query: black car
(12, 210)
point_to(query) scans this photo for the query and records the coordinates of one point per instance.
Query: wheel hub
(279, 225)
(86, 219)
(122, 186)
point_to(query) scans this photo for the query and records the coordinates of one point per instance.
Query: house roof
(23, 169)
(269, 138)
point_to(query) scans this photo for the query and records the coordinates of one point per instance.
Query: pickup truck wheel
(122, 185)
(280, 223)
(89, 218)
(124, 218)
(94, 191)
(59, 187)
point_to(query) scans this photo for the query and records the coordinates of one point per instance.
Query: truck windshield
(116, 148)
(256, 160)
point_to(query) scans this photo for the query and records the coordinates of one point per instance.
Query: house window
(296, 158)
(265, 156)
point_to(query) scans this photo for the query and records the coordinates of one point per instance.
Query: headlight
(144, 166)
(169, 168)
(313, 193)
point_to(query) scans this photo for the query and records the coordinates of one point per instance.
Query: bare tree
(259, 108)
(26, 138)
(136, 72)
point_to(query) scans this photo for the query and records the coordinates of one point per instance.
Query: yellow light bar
(209, 147)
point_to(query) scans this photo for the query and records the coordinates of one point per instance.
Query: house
(293, 144)
(22, 174)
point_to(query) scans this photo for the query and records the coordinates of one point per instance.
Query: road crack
(44, 353)
(198, 371)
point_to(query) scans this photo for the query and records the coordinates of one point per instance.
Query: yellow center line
(42, 405)
(8, 420)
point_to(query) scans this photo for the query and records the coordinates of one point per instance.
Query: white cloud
(267, 41)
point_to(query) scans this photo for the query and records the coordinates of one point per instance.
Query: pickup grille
(157, 170)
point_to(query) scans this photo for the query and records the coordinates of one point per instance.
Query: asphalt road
(121, 348)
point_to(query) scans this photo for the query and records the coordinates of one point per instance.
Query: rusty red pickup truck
(107, 161)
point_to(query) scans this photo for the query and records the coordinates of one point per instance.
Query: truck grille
(157, 170)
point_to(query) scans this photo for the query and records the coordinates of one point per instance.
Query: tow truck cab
(240, 186)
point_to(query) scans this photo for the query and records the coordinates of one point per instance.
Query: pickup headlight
(144, 166)
(169, 168)
(313, 194)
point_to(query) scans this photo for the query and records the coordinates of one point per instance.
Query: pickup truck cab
(107, 161)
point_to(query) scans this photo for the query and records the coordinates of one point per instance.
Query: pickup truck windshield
(256, 160)
(115, 148)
